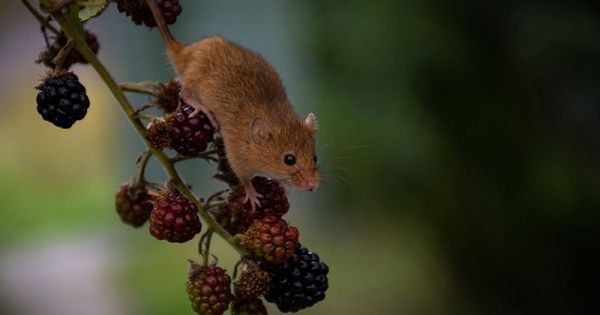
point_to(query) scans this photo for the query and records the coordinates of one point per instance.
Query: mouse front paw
(252, 197)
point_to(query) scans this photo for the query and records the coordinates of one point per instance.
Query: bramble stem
(143, 161)
(141, 87)
(43, 22)
(166, 163)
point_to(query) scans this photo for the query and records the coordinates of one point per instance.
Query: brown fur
(240, 87)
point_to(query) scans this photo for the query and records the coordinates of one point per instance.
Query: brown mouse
(245, 99)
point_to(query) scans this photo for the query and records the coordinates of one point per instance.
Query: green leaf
(91, 8)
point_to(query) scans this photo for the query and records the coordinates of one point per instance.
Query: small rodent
(245, 99)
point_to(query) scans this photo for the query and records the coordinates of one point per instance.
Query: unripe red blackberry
(209, 289)
(48, 55)
(133, 204)
(253, 283)
(190, 135)
(252, 307)
(62, 99)
(270, 239)
(174, 219)
(140, 12)
(299, 282)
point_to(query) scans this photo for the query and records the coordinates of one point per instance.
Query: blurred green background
(459, 140)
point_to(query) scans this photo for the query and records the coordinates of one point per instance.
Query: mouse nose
(311, 184)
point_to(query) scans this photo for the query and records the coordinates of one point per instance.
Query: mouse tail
(173, 45)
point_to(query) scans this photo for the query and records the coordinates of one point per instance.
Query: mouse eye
(289, 159)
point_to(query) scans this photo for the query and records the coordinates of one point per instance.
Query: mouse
(245, 99)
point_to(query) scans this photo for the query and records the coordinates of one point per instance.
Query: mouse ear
(311, 121)
(261, 130)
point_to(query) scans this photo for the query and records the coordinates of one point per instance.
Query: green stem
(168, 167)
(140, 179)
(141, 87)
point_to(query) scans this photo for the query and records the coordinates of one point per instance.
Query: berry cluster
(62, 99)
(140, 13)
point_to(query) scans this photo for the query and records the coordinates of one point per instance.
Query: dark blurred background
(459, 140)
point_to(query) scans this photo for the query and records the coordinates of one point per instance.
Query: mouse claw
(252, 196)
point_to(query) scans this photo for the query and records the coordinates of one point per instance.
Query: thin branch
(142, 162)
(141, 87)
(45, 23)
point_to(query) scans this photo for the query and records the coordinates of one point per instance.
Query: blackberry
(271, 239)
(174, 219)
(48, 55)
(140, 12)
(62, 100)
(158, 133)
(190, 135)
(133, 204)
(253, 283)
(209, 289)
(298, 283)
(252, 307)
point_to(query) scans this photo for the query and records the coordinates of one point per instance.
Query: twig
(45, 23)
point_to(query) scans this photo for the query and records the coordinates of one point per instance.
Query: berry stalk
(81, 46)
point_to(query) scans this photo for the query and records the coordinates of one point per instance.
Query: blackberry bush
(275, 265)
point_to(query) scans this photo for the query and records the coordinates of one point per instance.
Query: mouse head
(285, 150)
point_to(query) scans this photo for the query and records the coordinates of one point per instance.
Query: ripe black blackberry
(298, 283)
(140, 12)
(209, 289)
(252, 307)
(174, 219)
(62, 99)
(190, 135)
(133, 204)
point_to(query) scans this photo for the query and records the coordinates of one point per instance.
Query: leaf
(91, 8)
